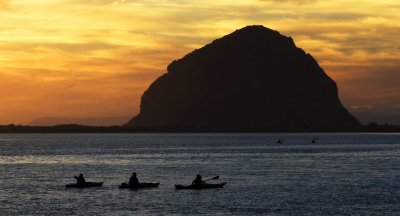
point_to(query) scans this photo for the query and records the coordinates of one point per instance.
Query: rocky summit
(254, 79)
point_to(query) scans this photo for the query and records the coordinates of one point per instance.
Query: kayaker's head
(134, 174)
(80, 175)
(198, 176)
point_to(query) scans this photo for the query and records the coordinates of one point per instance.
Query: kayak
(140, 185)
(85, 185)
(201, 186)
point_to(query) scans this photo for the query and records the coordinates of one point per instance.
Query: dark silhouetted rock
(254, 79)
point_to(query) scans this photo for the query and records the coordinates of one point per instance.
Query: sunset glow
(95, 58)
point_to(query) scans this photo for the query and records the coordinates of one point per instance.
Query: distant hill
(367, 116)
(254, 79)
(105, 121)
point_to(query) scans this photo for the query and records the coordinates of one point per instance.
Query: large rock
(254, 79)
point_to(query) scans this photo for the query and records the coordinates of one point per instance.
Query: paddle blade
(215, 178)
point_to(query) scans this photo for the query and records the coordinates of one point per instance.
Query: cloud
(64, 47)
(100, 2)
(4, 4)
(300, 2)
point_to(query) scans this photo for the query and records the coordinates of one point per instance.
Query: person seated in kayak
(133, 180)
(80, 179)
(198, 180)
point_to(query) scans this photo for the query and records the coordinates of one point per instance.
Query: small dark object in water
(200, 186)
(140, 185)
(84, 185)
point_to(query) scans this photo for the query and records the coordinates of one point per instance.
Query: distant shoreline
(73, 128)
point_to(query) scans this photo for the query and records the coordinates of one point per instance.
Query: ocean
(339, 174)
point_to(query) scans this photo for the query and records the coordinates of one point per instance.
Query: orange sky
(94, 58)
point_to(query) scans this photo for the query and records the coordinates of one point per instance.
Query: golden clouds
(93, 58)
(4, 4)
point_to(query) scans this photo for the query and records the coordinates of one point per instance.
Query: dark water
(341, 174)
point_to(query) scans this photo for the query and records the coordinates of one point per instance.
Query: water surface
(341, 174)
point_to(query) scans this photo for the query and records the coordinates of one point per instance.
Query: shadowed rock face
(252, 79)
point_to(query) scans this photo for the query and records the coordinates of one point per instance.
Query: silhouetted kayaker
(80, 179)
(133, 180)
(198, 180)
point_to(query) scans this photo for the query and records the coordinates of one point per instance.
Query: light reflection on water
(340, 174)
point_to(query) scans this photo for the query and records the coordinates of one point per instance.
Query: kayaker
(133, 180)
(80, 179)
(198, 180)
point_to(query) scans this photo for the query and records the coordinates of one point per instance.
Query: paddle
(215, 178)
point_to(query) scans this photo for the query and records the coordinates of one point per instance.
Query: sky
(95, 58)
